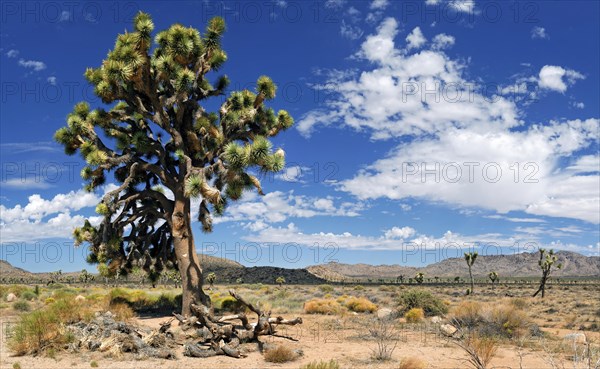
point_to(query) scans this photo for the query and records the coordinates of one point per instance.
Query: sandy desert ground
(567, 312)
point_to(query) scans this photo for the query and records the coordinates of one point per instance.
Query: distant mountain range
(517, 265)
(229, 271)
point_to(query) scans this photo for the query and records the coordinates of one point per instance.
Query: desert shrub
(254, 286)
(121, 311)
(29, 296)
(416, 298)
(322, 306)
(35, 332)
(494, 320)
(360, 305)
(16, 366)
(414, 315)
(519, 303)
(21, 306)
(49, 300)
(383, 332)
(467, 314)
(94, 364)
(358, 287)
(17, 289)
(55, 286)
(507, 320)
(280, 354)
(331, 364)
(412, 363)
(228, 303)
(326, 288)
(480, 350)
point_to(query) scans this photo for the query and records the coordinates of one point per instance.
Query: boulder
(11, 297)
(79, 298)
(384, 313)
(436, 320)
(448, 330)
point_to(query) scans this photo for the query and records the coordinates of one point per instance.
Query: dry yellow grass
(280, 354)
(414, 315)
(412, 363)
(322, 306)
(360, 305)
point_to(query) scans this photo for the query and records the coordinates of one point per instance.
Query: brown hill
(518, 265)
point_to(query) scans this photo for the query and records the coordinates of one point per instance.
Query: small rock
(576, 338)
(448, 329)
(384, 313)
(11, 297)
(436, 320)
(79, 298)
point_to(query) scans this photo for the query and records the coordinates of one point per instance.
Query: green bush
(21, 306)
(326, 288)
(416, 298)
(29, 296)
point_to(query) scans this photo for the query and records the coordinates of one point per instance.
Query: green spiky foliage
(470, 258)
(493, 276)
(548, 262)
(211, 278)
(157, 136)
(419, 278)
(280, 280)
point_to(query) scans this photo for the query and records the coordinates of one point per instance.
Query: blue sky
(422, 127)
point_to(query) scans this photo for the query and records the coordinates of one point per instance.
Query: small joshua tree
(211, 278)
(400, 279)
(470, 258)
(84, 276)
(419, 278)
(280, 281)
(493, 276)
(546, 263)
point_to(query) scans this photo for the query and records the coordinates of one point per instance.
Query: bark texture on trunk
(187, 258)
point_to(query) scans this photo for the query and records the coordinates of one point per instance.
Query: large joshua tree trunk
(187, 258)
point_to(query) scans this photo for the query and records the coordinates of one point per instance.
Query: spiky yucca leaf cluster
(157, 137)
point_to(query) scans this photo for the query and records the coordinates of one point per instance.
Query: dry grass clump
(322, 306)
(496, 319)
(331, 364)
(467, 314)
(280, 354)
(360, 305)
(412, 363)
(414, 315)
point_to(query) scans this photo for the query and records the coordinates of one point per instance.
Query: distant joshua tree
(546, 262)
(211, 278)
(280, 281)
(419, 277)
(493, 276)
(470, 258)
(400, 279)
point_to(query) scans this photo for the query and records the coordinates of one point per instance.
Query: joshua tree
(419, 277)
(280, 281)
(470, 258)
(493, 276)
(239, 281)
(546, 263)
(211, 278)
(165, 148)
(400, 279)
(85, 276)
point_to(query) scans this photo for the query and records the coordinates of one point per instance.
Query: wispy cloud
(12, 53)
(25, 184)
(36, 65)
(26, 147)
